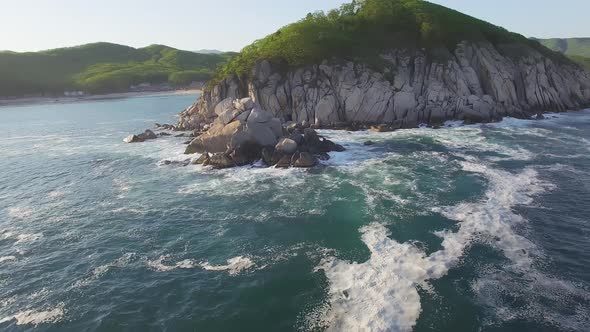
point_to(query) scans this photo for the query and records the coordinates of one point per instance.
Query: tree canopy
(363, 29)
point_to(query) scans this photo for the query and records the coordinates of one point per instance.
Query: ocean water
(465, 228)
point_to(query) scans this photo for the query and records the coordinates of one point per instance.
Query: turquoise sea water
(474, 228)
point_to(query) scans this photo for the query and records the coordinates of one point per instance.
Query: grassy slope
(577, 49)
(101, 68)
(362, 30)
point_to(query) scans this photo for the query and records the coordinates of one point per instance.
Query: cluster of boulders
(244, 133)
(138, 138)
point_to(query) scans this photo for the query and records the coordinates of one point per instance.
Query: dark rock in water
(132, 139)
(202, 160)
(247, 153)
(195, 146)
(180, 135)
(304, 160)
(296, 136)
(164, 134)
(310, 136)
(148, 134)
(540, 117)
(221, 160)
(369, 143)
(284, 162)
(187, 142)
(331, 146)
(270, 156)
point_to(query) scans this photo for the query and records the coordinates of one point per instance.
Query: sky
(229, 25)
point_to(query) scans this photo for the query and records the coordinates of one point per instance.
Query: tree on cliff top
(363, 29)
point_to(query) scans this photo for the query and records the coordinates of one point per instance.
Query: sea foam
(34, 317)
(381, 294)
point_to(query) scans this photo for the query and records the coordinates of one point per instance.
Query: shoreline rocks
(244, 133)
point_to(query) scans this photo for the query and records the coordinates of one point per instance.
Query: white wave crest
(100, 271)
(158, 264)
(27, 238)
(33, 317)
(234, 265)
(19, 212)
(381, 294)
(7, 259)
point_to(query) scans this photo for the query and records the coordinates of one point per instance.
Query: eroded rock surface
(480, 82)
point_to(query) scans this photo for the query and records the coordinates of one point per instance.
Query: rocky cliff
(479, 82)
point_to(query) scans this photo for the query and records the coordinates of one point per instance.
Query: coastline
(67, 100)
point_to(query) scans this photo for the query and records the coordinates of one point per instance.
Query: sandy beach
(64, 100)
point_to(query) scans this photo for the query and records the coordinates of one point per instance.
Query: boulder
(287, 146)
(305, 160)
(243, 116)
(310, 136)
(261, 133)
(202, 160)
(247, 153)
(224, 105)
(218, 138)
(148, 134)
(276, 127)
(227, 116)
(270, 156)
(284, 162)
(259, 116)
(296, 136)
(133, 139)
(221, 160)
(369, 143)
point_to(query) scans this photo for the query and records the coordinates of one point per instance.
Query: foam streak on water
(381, 294)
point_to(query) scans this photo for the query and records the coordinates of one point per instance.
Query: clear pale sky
(29, 25)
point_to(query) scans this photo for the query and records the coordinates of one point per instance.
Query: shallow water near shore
(481, 227)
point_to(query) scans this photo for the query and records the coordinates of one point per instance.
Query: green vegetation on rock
(577, 49)
(363, 29)
(101, 68)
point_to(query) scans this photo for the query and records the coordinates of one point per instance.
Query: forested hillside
(101, 68)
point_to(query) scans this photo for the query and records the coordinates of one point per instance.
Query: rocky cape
(479, 82)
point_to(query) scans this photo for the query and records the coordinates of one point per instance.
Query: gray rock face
(235, 127)
(287, 146)
(478, 83)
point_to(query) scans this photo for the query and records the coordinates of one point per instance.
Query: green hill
(577, 49)
(101, 68)
(361, 30)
